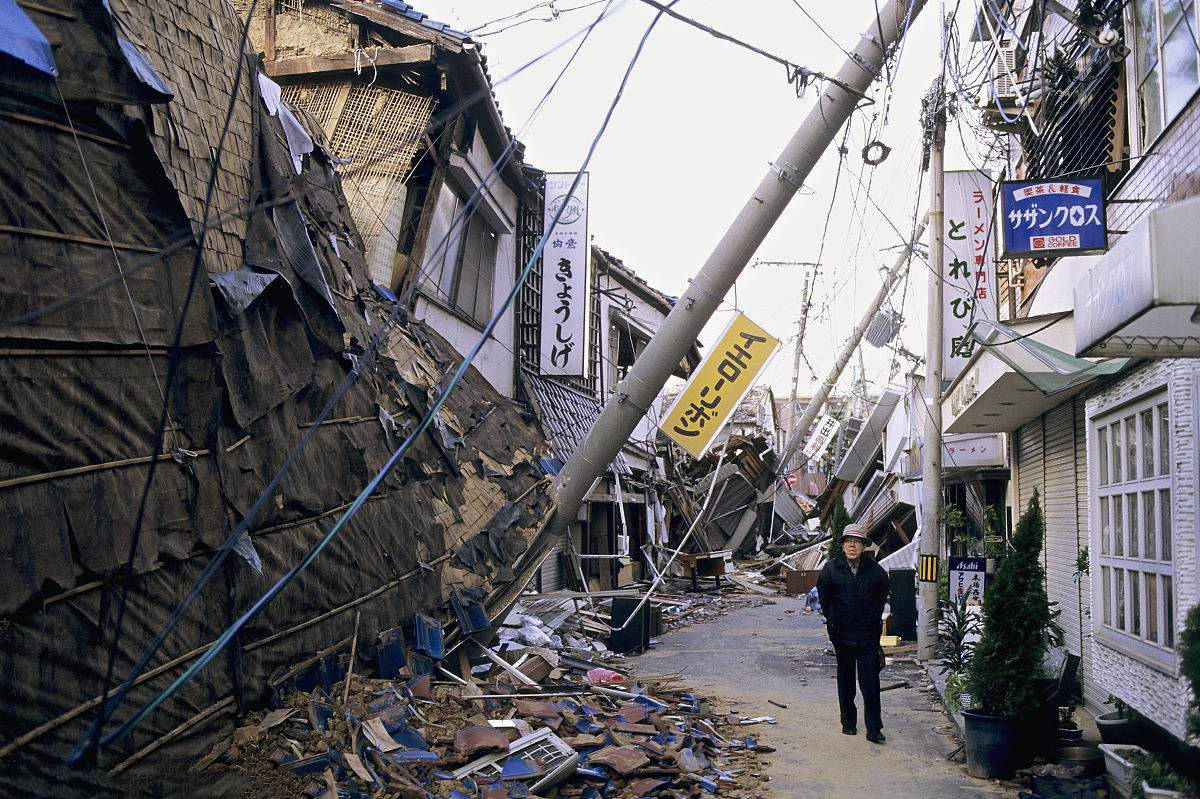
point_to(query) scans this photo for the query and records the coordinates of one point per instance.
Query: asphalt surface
(776, 652)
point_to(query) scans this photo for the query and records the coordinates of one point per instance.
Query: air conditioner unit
(1004, 73)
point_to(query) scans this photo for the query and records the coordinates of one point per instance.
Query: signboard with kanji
(968, 269)
(823, 432)
(718, 385)
(967, 580)
(1045, 218)
(565, 277)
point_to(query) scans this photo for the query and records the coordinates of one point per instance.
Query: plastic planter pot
(1115, 729)
(990, 742)
(1159, 793)
(1118, 765)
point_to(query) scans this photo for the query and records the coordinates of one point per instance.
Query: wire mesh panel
(318, 99)
(378, 131)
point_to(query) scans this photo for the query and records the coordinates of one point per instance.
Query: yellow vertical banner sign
(718, 385)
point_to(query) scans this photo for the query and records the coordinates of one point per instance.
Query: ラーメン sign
(718, 385)
(969, 269)
(566, 279)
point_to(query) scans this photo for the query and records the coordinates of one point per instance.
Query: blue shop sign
(1046, 218)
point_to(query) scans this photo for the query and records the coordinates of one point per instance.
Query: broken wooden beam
(369, 58)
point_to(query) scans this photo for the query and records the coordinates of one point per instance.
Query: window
(460, 265)
(1165, 71)
(1132, 486)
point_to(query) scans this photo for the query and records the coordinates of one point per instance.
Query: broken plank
(508, 667)
(371, 57)
(755, 587)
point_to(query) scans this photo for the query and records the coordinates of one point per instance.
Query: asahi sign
(565, 277)
(968, 269)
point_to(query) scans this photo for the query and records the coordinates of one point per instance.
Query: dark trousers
(864, 659)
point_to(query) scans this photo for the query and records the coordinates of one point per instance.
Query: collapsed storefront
(125, 131)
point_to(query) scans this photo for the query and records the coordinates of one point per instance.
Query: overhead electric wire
(108, 707)
(172, 370)
(795, 71)
(271, 593)
(186, 237)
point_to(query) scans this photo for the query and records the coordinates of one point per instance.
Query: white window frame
(1135, 77)
(1111, 558)
(442, 281)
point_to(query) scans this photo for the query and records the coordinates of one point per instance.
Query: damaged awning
(862, 451)
(1019, 373)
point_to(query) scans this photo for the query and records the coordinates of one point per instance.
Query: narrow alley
(758, 655)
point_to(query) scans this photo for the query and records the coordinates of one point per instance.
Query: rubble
(545, 709)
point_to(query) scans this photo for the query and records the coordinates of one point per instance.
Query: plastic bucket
(989, 744)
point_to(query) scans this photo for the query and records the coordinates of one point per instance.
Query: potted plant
(1153, 777)
(958, 627)
(1007, 660)
(1116, 726)
(1068, 731)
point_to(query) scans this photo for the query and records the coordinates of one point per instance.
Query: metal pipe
(634, 395)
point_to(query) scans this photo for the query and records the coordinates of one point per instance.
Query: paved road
(777, 652)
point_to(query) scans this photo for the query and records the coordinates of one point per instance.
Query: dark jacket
(853, 603)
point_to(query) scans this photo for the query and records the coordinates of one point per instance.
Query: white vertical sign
(566, 277)
(824, 432)
(969, 266)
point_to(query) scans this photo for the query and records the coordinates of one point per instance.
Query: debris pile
(544, 724)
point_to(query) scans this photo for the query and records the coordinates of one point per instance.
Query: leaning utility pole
(823, 391)
(634, 395)
(801, 323)
(931, 447)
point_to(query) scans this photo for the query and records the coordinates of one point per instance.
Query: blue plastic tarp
(21, 39)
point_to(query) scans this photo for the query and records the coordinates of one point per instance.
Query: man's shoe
(849, 731)
(876, 737)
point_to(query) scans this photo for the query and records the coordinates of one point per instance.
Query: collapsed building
(178, 242)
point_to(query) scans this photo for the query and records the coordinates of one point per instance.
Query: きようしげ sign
(566, 278)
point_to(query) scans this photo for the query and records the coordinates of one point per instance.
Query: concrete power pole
(634, 395)
(814, 405)
(931, 448)
(801, 323)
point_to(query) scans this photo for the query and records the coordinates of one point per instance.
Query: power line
(798, 75)
(185, 237)
(172, 370)
(271, 593)
(219, 557)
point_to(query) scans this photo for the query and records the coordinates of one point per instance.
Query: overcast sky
(693, 136)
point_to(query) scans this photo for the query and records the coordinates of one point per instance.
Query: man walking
(853, 589)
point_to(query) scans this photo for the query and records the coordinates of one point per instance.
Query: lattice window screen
(378, 130)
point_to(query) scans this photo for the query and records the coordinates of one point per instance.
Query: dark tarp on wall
(262, 357)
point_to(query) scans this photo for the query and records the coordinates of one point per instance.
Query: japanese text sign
(968, 269)
(823, 432)
(967, 580)
(1047, 218)
(718, 385)
(565, 278)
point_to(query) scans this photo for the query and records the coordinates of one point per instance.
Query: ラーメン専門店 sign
(718, 385)
(565, 277)
(1044, 218)
(968, 268)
